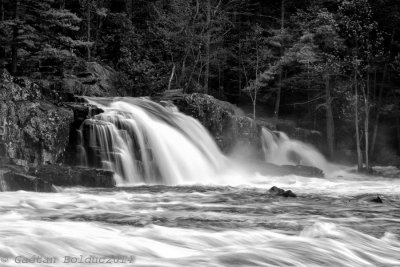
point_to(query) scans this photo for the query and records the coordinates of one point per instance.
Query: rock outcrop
(226, 122)
(12, 181)
(34, 130)
(74, 176)
(90, 79)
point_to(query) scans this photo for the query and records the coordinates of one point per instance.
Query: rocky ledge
(12, 181)
(74, 176)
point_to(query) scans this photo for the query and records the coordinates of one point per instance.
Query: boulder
(377, 199)
(281, 192)
(12, 181)
(74, 176)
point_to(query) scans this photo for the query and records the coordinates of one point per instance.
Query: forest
(331, 65)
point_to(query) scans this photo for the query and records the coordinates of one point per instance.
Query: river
(330, 223)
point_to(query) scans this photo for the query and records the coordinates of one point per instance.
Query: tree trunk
(171, 78)
(2, 48)
(132, 10)
(330, 127)
(88, 31)
(1, 10)
(254, 106)
(14, 45)
(398, 134)
(240, 55)
(278, 95)
(359, 154)
(208, 40)
(378, 114)
(376, 127)
(366, 123)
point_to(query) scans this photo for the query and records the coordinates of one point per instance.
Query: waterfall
(279, 149)
(144, 142)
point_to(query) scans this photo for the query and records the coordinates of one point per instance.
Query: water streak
(144, 142)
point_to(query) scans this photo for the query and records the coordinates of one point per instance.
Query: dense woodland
(330, 65)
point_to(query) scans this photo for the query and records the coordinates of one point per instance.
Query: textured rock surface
(12, 181)
(74, 176)
(281, 192)
(33, 130)
(17, 89)
(90, 79)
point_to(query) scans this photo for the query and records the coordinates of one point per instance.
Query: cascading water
(144, 142)
(280, 149)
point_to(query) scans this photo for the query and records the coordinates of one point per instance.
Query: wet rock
(74, 176)
(281, 192)
(12, 181)
(269, 169)
(305, 171)
(377, 200)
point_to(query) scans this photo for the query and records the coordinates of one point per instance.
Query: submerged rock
(281, 192)
(75, 176)
(377, 200)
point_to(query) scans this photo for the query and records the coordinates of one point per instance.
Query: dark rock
(12, 181)
(276, 190)
(270, 169)
(82, 111)
(377, 200)
(75, 176)
(280, 192)
(35, 131)
(18, 89)
(289, 193)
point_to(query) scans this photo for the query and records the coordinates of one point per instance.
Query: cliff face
(33, 130)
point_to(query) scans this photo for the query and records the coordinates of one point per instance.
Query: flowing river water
(207, 212)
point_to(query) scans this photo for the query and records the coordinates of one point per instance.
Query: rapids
(205, 225)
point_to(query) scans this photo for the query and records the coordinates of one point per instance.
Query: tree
(363, 40)
(37, 28)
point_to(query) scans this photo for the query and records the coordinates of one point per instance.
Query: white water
(144, 142)
(280, 149)
(201, 226)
